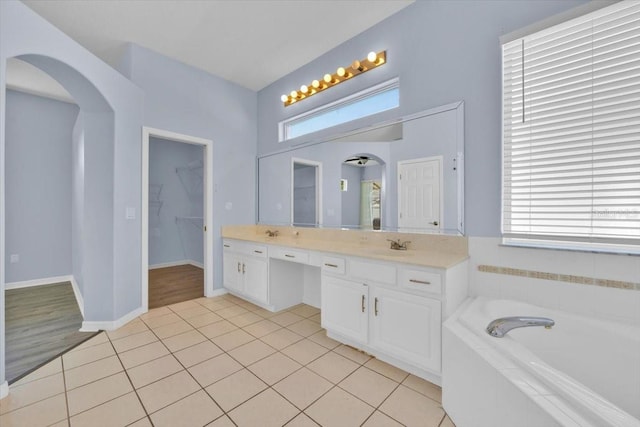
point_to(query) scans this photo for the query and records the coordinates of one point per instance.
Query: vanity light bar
(373, 60)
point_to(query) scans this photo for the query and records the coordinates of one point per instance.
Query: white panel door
(419, 195)
(407, 327)
(344, 308)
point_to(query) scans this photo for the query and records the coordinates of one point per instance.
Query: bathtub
(582, 372)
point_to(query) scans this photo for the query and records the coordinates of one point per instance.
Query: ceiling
(249, 42)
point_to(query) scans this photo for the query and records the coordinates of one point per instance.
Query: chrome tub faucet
(270, 233)
(498, 328)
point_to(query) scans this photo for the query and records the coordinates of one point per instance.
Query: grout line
(66, 398)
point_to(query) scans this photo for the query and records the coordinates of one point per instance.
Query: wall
(442, 52)
(183, 99)
(112, 110)
(77, 202)
(304, 195)
(172, 240)
(38, 185)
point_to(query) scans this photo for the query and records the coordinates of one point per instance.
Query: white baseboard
(176, 263)
(76, 292)
(217, 293)
(4, 390)
(108, 325)
(37, 282)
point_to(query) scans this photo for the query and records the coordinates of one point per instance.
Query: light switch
(130, 213)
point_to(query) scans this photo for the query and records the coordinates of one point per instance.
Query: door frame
(440, 160)
(207, 144)
(318, 166)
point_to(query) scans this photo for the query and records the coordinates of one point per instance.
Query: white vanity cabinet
(393, 311)
(245, 270)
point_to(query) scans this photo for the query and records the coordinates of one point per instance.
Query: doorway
(177, 213)
(420, 194)
(306, 193)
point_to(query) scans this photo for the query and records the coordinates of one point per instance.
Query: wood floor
(41, 323)
(175, 284)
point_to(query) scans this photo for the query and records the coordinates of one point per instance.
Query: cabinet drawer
(369, 271)
(333, 265)
(229, 245)
(256, 250)
(421, 281)
(290, 255)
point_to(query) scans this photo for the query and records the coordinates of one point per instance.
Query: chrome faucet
(270, 233)
(498, 328)
(398, 245)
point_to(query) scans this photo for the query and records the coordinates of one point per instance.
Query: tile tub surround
(219, 361)
(427, 250)
(593, 284)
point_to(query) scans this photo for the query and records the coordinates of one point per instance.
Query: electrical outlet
(14, 258)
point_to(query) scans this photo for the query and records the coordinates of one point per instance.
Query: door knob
(434, 223)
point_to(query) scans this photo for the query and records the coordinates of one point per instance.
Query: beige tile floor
(221, 362)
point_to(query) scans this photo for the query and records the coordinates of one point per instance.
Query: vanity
(388, 303)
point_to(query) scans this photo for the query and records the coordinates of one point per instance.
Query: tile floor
(221, 362)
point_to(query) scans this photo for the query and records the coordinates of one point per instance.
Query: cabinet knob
(375, 306)
(238, 267)
(243, 268)
(422, 282)
(362, 305)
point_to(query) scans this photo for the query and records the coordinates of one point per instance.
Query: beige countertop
(360, 244)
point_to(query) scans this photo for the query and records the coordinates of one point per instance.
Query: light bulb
(341, 72)
(372, 57)
(315, 84)
(304, 89)
(294, 94)
(356, 65)
(327, 78)
(284, 98)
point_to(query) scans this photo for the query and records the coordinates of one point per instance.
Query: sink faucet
(398, 245)
(270, 233)
(498, 328)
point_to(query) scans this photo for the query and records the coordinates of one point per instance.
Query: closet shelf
(196, 221)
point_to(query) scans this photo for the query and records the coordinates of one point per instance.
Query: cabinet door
(232, 272)
(406, 327)
(255, 279)
(345, 308)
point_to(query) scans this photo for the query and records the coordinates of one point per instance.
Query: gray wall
(442, 51)
(351, 197)
(77, 202)
(304, 195)
(38, 185)
(171, 240)
(183, 99)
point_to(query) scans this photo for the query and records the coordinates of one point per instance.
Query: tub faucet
(498, 328)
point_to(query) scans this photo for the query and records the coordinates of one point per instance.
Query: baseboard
(37, 282)
(176, 263)
(76, 292)
(217, 293)
(107, 325)
(4, 390)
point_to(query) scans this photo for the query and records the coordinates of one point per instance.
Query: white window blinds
(571, 131)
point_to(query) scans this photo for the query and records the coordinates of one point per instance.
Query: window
(377, 99)
(571, 133)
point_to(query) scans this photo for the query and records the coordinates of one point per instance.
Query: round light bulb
(304, 89)
(327, 78)
(372, 57)
(341, 72)
(356, 65)
(294, 94)
(284, 98)
(315, 84)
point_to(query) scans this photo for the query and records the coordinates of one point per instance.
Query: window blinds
(571, 130)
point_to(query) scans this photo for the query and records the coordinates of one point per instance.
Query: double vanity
(389, 303)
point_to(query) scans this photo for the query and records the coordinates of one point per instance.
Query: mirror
(362, 200)
(306, 193)
(414, 182)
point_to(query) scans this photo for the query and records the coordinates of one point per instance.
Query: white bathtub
(583, 372)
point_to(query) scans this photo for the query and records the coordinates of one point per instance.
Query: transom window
(377, 99)
(571, 133)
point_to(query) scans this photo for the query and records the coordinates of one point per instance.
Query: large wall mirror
(404, 175)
